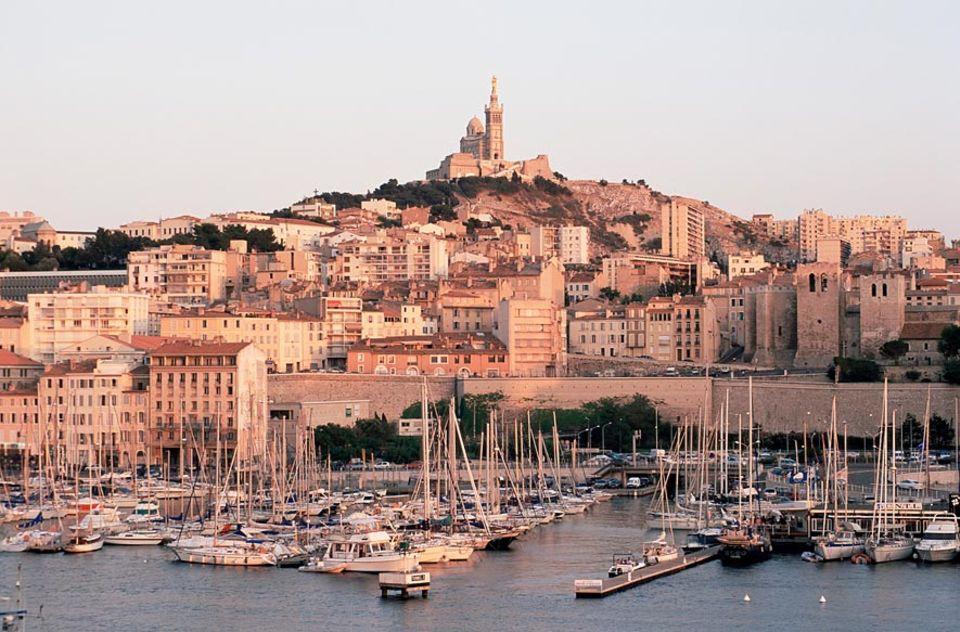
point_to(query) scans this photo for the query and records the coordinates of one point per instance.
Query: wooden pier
(596, 588)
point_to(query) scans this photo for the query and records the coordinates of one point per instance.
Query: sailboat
(842, 541)
(750, 543)
(888, 543)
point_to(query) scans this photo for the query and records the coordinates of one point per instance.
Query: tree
(855, 370)
(951, 372)
(608, 293)
(949, 344)
(913, 375)
(941, 432)
(894, 349)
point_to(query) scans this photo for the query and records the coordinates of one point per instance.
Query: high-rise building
(683, 231)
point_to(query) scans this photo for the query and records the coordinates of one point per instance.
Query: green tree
(941, 432)
(855, 370)
(894, 349)
(951, 372)
(949, 344)
(608, 293)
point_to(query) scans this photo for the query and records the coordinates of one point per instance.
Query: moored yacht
(371, 552)
(940, 541)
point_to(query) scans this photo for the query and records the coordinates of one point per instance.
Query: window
(884, 289)
(813, 282)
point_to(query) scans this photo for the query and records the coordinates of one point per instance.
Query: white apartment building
(60, 319)
(745, 265)
(185, 275)
(382, 258)
(571, 244)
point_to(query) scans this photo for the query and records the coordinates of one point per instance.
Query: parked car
(770, 492)
(909, 484)
(633, 482)
(614, 483)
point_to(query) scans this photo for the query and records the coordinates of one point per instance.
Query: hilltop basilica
(481, 150)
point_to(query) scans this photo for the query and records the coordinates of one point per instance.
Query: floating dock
(404, 584)
(596, 588)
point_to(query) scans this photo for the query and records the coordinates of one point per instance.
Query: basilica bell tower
(493, 136)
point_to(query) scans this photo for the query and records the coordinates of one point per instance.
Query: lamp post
(636, 437)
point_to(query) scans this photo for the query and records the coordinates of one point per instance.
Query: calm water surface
(529, 588)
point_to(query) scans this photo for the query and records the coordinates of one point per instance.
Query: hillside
(621, 217)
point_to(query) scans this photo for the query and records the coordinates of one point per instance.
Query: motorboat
(136, 537)
(743, 547)
(16, 543)
(371, 552)
(83, 543)
(838, 545)
(45, 542)
(703, 538)
(624, 564)
(940, 541)
(145, 511)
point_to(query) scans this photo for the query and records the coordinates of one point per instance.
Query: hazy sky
(111, 111)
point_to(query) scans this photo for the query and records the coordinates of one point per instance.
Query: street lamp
(636, 437)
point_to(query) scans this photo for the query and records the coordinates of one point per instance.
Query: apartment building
(534, 331)
(597, 328)
(570, 244)
(393, 319)
(162, 229)
(460, 355)
(291, 342)
(96, 411)
(205, 393)
(865, 233)
(184, 275)
(745, 264)
(383, 258)
(20, 427)
(341, 327)
(18, 372)
(682, 231)
(60, 319)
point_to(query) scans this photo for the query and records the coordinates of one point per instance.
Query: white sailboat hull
(889, 552)
(837, 551)
(224, 556)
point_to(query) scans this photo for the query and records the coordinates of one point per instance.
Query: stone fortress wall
(780, 404)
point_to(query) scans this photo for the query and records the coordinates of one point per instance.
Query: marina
(134, 587)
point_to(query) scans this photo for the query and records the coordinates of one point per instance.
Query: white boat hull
(224, 556)
(937, 553)
(836, 551)
(882, 553)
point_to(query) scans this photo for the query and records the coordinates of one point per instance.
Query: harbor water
(529, 587)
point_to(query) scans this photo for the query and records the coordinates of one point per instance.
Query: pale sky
(111, 111)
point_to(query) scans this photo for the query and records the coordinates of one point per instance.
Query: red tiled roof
(181, 347)
(922, 330)
(9, 358)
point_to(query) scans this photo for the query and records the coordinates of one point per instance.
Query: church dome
(474, 127)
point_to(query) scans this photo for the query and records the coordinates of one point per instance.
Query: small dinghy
(810, 556)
